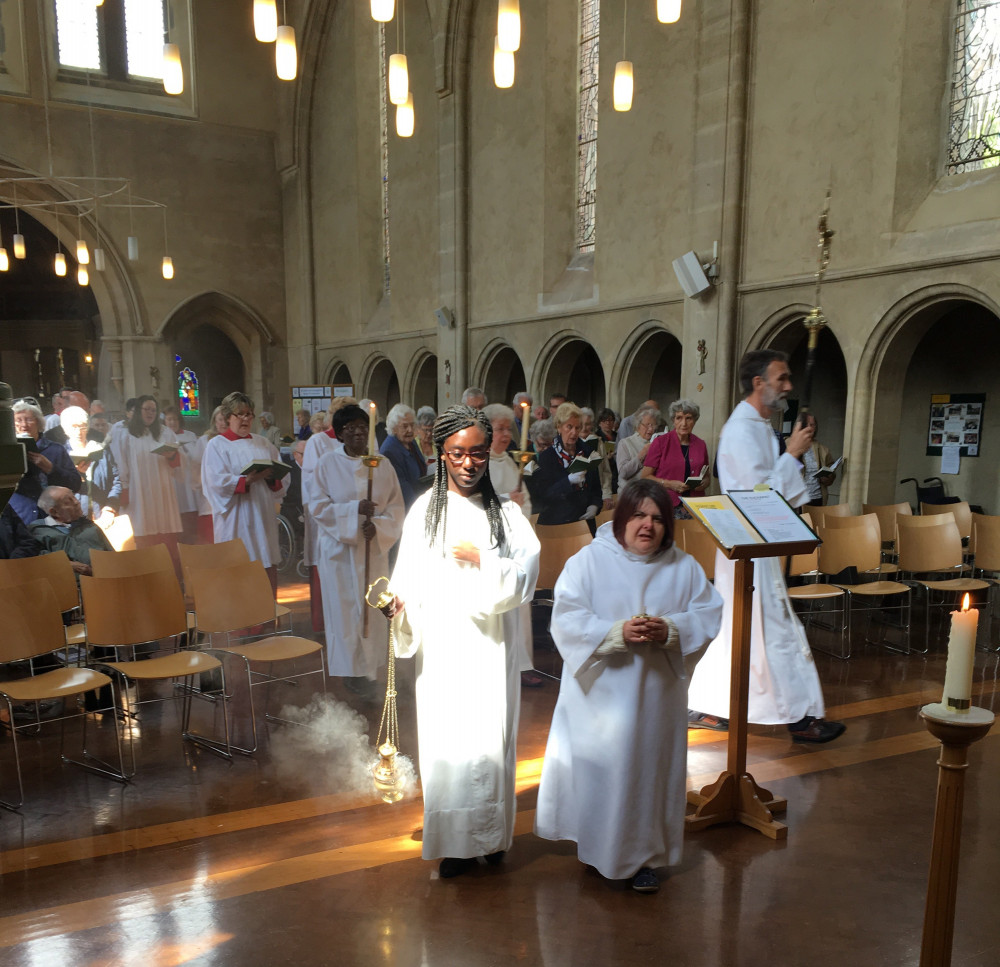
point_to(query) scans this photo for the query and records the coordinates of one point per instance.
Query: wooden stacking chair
(142, 610)
(233, 603)
(855, 543)
(57, 569)
(142, 560)
(32, 627)
(985, 548)
(886, 514)
(819, 512)
(813, 595)
(931, 546)
(962, 513)
(692, 538)
(604, 516)
(559, 542)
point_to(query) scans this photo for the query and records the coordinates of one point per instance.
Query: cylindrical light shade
(82, 253)
(60, 264)
(622, 91)
(399, 79)
(133, 249)
(168, 267)
(265, 20)
(173, 70)
(509, 25)
(4, 260)
(668, 11)
(382, 10)
(503, 66)
(82, 275)
(404, 117)
(286, 57)
(19, 251)
(99, 259)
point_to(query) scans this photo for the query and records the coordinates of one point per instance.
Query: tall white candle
(371, 430)
(525, 416)
(961, 659)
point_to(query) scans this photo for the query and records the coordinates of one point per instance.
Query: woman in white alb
(187, 501)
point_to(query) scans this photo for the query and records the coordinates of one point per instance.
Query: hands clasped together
(644, 629)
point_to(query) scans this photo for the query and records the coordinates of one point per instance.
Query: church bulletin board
(313, 399)
(956, 420)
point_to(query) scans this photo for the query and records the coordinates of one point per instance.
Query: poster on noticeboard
(956, 419)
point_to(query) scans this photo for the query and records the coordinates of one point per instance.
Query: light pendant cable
(622, 90)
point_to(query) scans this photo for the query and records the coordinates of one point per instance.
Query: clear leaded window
(974, 129)
(121, 39)
(586, 132)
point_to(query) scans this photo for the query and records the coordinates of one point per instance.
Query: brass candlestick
(371, 461)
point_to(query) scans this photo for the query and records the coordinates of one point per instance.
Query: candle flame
(524, 405)
(965, 603)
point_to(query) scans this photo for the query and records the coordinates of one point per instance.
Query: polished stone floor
(273, 859)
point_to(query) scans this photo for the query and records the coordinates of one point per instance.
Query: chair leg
(224, 749)
(95, 764)
(8, 804)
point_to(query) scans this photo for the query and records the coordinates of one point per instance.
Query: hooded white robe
(615, 770)
(250, 516)
(784, 685)
(149, 479)
(316, 446)
(339, 482)
(468, 679)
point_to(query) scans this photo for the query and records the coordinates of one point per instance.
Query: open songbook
(584, 461)
(167, 449)
(91, 456)
(694, 483)
(831, 469)
(277, 468)
(744, 517)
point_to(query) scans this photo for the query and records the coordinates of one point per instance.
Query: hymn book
(278, 469)
(745, 518)
(831, 469)
(694, 483)
(167, 449)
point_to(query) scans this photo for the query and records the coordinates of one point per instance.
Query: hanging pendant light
(399, 79)
(82, 275)
(668, 11)
(4, 260)
(99, 259)
(503, 65)
(167, 267)
(60, 264)
(382, 10)
(286, 57)
(19, 250)
(509, 25)
(622, 90)
(404, 117)
(265, 20)
(82, 253)
(173, 69)
(133, 248)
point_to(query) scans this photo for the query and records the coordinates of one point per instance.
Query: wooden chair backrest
(961, 512)
(604, 516)
(559, 542)
(850, 542)
(820, 512)
(142, 560)
(133, 609)
(202, 557)
(119, 533)
(54, 568)
(985, 543)
(886, 514)
(930, 543)
(229, 598)
(32, 621)
(697, 542)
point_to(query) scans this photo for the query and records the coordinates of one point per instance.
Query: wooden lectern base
(737, 800)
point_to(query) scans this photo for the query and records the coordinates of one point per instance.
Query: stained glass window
(974, 128)
(586, 131)
(383, 134)
(187, 392)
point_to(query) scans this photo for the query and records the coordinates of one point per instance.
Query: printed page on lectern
(745, 517)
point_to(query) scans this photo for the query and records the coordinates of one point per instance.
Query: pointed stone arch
(648, 366)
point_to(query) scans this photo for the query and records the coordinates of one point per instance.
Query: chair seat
(275, 648)
(809, 592)
(957, 584)
(76, 634)
(874, 588)
(883, 569)
(280, 611)
(168, 666)
(58, 683)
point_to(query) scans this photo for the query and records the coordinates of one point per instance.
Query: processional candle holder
(371, 460)
(815, 321)
(386, 774)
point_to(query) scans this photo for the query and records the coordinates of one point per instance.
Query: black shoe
(701, 720)
(451, 866)
(645, 881)
(495, 859)
(812, 729)
(363, 687)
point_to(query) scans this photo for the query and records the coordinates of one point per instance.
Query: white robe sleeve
(576, 629)
(747, 458)
(334, 515)
(508, 582)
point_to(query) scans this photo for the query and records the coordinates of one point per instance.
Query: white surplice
(149, 479)
(195, 454)
(250, 516)
(784, 685)
(339, 482)
(506, 478)
(615, 770)
(187, 501)
(457, 623)
(316, 446)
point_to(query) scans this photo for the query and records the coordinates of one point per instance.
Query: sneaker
(452, 866)
(811, 729)
(701, 720)
(645, 881)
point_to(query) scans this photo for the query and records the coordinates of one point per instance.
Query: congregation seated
(66, 529)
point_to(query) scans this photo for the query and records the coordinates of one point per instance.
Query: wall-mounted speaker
(691, 275)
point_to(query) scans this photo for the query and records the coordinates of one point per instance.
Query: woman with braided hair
(467, 560)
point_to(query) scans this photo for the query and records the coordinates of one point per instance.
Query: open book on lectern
(744, 517)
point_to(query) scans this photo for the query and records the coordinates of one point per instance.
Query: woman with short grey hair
(683, 406)
(425, 434)
(404, 455)
(49, 463)
(632, 450)
(678, 459)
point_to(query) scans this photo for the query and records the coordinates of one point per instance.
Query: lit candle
(371, 430)
(961, 659)
(525, 416)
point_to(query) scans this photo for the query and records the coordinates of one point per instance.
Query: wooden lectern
(735, 797)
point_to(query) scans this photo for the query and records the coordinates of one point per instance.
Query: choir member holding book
(679, 459)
